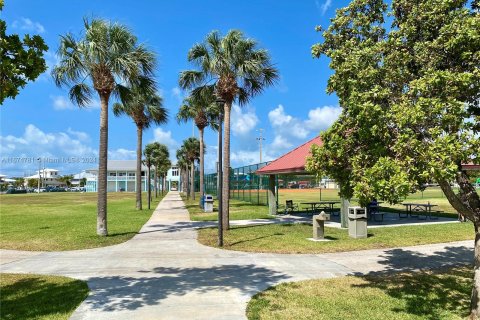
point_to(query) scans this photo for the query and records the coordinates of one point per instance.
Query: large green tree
(409, 88)
(21, 60)
(145, 109)
(202, 109)
(191, 151)
(108, 60)
(238, 70)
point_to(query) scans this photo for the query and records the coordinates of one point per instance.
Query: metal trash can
(357, 222)
(208, 206)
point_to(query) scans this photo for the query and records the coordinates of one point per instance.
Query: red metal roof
(291, 162)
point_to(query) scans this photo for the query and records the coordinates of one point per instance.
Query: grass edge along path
(441, 294)
(67, 221)
(292, 238)
(28, 296)
(239, 210)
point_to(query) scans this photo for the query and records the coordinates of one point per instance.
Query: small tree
(410, 94)
(32, 183)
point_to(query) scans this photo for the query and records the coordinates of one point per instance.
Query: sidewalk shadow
(426, 285)
(130, 293)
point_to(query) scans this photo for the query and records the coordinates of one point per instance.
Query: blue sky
(41, 122)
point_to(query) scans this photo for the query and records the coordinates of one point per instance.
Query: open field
(67, 221)
(292, 238)
(407, 296)
(239, 210)
(27, 296)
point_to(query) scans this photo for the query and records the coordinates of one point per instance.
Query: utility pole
(260, 138)
(39, 176)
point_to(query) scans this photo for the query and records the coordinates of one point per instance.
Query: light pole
(260, 139)
(39, 175)
(220, 103)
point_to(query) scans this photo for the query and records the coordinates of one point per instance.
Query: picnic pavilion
(293, 163)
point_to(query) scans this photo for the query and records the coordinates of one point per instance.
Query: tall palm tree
(192, 153)
(106, 58)
(150, 153)
(145, 109)
(238, 70)
(201, 109)
(162, 163)
(182, 163)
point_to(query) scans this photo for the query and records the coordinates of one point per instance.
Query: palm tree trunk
(155, 181)
(226, 166)
(187, 173)
(202, 191)
(138, 176)
(192, 179)
(149, 197)
(102, 168)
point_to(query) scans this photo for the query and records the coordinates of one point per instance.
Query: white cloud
(243, 122)
(28, 25)
(59, 148)
(61, 103)
(278, 117)
(287, 125)
(280, 142)
(82, 136)
(165, 137)
(324, 6)
(177, 94)
(322, 118)
(122, 154)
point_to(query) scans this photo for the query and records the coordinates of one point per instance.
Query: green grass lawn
(27, 296)
(291, 238)
(239, 210)
(67, 221)
(408, 296)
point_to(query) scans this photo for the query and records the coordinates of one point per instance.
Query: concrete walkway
(164, 273)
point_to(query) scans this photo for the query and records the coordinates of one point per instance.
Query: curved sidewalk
(164, 273)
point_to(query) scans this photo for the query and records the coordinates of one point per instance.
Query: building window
(131, 174)
(175, 172)
(112, 174)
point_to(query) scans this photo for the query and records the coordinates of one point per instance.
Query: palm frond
(81, 94)
(191, 78)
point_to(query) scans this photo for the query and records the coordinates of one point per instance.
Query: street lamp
(39, 176)
(220, 103)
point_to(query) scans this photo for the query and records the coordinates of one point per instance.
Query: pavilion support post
(272, 198)
(345, 203)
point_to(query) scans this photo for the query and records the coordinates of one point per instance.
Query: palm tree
(150, 152)
(201, 109)
(182, 163)
(238, 70)
(191, 147)
(144, 109)
(162, 163)
(105, 59)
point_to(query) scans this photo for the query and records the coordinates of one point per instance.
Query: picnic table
(329, 205)
(410, 208)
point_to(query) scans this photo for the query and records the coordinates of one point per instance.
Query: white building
(121, 177)
(77, 178)
(48, 177)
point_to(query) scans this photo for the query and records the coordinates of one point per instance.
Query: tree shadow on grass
(427, 285)
(34, 297)
(130, 293)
